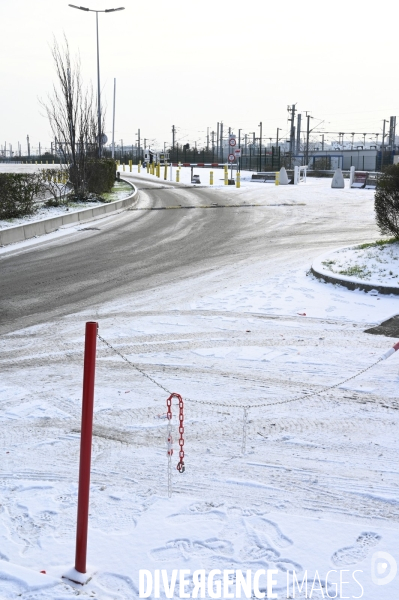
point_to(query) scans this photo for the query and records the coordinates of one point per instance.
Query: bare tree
(71, 111)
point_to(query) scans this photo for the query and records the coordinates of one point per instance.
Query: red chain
(180, 465)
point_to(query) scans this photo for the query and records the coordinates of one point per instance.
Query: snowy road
(211, 303)
(138, 250)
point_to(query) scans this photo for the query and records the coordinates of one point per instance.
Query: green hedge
(386, 202)
(17, 194)
(100, 175)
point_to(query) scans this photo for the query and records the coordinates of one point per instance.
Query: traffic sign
(232, 140)
(237, 152)
(231, 158)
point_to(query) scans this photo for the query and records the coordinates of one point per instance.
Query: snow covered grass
(47, 212)
(376, 263)
(121, 190)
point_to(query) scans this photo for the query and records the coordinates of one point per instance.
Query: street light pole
(98, 94)
(113, 123)
(107, 10)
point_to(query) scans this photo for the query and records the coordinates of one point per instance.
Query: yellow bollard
(277, 180)
(139, 167)
(177, 176)
(238, 180)
(148, 168)
(158, 170)
(130, 165)
(123, 166)
(165, 175)
(211, 178)
(226, 177)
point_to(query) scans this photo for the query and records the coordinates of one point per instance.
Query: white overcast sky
(192, 64)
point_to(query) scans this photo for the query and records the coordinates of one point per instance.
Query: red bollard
(85, 446)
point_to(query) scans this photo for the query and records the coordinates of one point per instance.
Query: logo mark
(383, 568)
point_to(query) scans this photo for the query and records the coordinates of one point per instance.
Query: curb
(350, 284)
(19, 233)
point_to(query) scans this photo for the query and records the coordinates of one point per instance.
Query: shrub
(17, 194)
(100, 175)
(386, 203)
(54, 182)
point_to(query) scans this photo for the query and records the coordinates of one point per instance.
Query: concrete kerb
(19, 233)
(351, 284)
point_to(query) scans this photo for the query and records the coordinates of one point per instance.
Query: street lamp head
(78, 7)
(96, 11)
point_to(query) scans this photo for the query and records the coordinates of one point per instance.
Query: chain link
(246, 406)
(133, 365)
(169, 439)
(180, 465)
(244, 431)
(169, 444)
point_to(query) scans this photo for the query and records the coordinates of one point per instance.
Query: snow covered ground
(375, 264)
(316, 488)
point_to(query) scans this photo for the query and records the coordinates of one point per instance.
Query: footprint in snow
(355, 554)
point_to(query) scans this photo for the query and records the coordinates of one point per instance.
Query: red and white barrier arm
(390, 351)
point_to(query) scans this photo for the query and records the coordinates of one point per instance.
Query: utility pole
(322, 142)
(308, 117)
(383, 142)
(298, 134)
(113, 121)
(213, 146)
(392, 132)
(221, 140)
(277, 155)
(260, 147)
(292, 110)
(27, 139)
(207, 139)
(239, 138)
(173, 136)
(138, 146)
(217, 142)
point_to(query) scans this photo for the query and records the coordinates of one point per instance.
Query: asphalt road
(142, 249)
